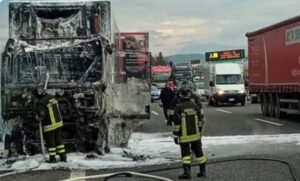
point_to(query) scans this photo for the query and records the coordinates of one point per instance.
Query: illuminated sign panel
(224, 55)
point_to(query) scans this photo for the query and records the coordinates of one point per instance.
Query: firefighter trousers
(196, 147)
(54, 142)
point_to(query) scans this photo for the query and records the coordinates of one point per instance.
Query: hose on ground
(144, 173)
(291, 168)
(126, 174)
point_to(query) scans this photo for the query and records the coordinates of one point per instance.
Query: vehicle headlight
(241, 91)
(220, 92)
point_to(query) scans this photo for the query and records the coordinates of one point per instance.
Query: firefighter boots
(63, 157)
(186, 174)
(52, 159)
(202, 172)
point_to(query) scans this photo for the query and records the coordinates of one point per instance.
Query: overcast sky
(192, 26)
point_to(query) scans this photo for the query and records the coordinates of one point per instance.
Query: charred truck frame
(72, 43)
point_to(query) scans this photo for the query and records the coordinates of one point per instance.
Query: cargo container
(274, 67)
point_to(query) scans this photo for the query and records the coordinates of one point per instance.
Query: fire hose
(126, 174)
(144, 174)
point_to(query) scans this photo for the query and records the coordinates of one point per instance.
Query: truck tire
(216, 103)
(210, 102)
(254, 99)
(277, 113)
(271, 105)
(243, 103)
(264, 105)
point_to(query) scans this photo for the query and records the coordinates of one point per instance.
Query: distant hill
(179, 58)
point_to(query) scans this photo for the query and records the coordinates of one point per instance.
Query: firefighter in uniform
(176, 100)
(47, 111)
(188, 125)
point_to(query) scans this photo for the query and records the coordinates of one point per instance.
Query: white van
(226, 84)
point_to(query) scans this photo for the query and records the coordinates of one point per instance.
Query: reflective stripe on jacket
(47, 108)
(54, 115)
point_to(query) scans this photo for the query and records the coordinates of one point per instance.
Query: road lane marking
(270, 122)
(154, 112)
(77, 174)
(221, 110)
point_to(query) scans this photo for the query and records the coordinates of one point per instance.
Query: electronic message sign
(224, 55)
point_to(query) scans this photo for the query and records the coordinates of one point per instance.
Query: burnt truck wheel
(264, 105)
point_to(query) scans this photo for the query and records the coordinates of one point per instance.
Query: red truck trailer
(134, 41)
(134, 56)
(274, 67)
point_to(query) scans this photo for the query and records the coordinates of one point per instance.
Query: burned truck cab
(65, 47)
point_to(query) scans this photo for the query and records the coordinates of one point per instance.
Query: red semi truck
(274, 67)
(160, 75)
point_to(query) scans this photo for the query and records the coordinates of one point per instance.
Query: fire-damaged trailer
(67, 46)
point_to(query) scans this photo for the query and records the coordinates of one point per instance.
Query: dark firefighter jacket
(167, 97)
(176, 100)
(188, 121)
(47, 111)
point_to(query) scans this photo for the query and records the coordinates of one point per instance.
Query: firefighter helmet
(185, 93)
(39, 91)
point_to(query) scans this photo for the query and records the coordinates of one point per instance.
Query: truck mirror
(211, 84)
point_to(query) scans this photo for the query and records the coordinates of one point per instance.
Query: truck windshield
(229, 79)
(183, 72)
(160, 77)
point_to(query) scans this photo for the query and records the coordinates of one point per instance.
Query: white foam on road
(269, 122)
(222, 110)
(158, 148)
